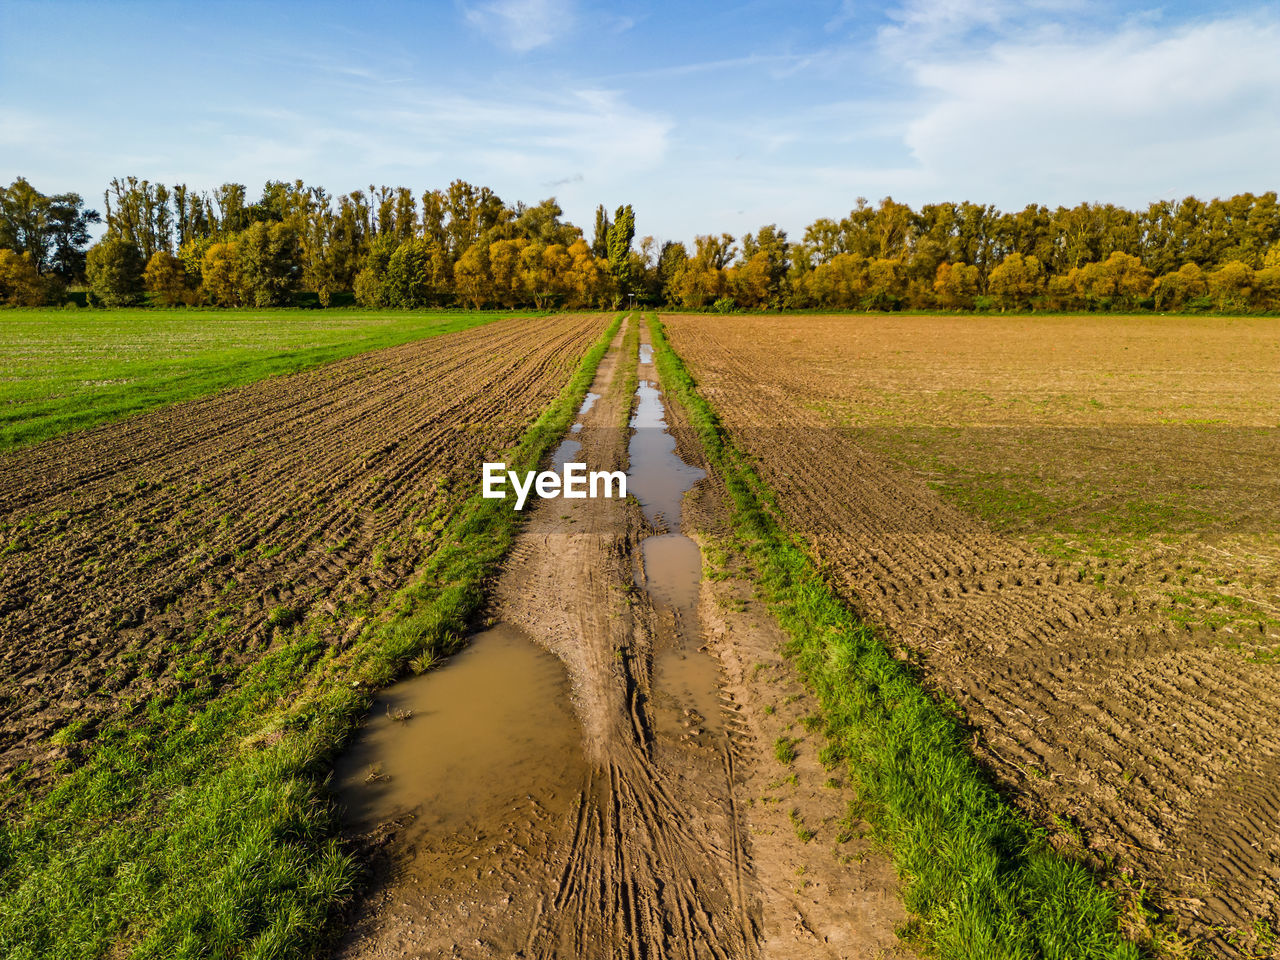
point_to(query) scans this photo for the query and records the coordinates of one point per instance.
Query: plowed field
(1093, 580)
(162, 554)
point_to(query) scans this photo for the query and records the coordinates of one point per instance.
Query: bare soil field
(162, 554)
(678, 833)
(1070, 525)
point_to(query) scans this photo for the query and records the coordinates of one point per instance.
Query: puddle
(568, 448)
(658, 478)
(490, 732)
(685, 677)
(565, 453)
(673, 570)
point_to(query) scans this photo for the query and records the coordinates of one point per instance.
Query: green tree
(268, 261)
(114, 269)
(416, 274)
(371, 287)
(600, 240)
(621, 232)
(53, 230)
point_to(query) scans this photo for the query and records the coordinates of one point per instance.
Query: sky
(706, 117)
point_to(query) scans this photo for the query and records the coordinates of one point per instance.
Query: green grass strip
(199, 825)
(70, 369)
(982, 882)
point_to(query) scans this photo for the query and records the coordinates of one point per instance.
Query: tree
(956, 285)
(114, 269)
(1016, 280)
(371, 287)
(542, 223)
(140, 214)
(504, 271)
(749, 282)
(600, 240)
(839, 284)
(621, 233)
(1231, 286)
(887, 283)
(1174, 290)
(268, 263)
(20, 284)
(165, 278)
(417, 274)
(471, 276)
(1120, 280)
(53, 230)
(671, 260)
(765, 260)
(587, 280)
(220, 273)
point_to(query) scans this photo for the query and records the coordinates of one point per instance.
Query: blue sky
(705, 116)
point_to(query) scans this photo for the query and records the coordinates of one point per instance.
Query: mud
(461, 749)
(653, 858)
(1144, 747)
(163, 554)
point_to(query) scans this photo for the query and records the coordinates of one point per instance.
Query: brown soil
(180, 541)
(667, 849)
(1150, 748)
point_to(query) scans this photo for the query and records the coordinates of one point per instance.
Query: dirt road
(682, 836)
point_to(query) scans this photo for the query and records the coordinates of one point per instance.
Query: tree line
(465, 246)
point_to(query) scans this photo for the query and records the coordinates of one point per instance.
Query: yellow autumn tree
(165, 279)
(471, 276)
(20, 284)
(956, 285)
(220, 273)
(1173, 290)
(1015, 281)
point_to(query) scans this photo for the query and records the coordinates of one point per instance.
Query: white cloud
(925, 27)
(522, 25)
(1125, 117)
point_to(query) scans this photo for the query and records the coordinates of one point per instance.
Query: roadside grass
(198, 822)
(982, 882)
(70, 369)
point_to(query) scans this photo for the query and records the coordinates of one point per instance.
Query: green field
(66, 370)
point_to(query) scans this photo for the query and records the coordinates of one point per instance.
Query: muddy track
(652, 856)
(192, 532)
(1158, 744)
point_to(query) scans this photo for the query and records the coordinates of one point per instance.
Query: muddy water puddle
(658, 478)
(463, 748)
(686, 679)
(568, 447)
